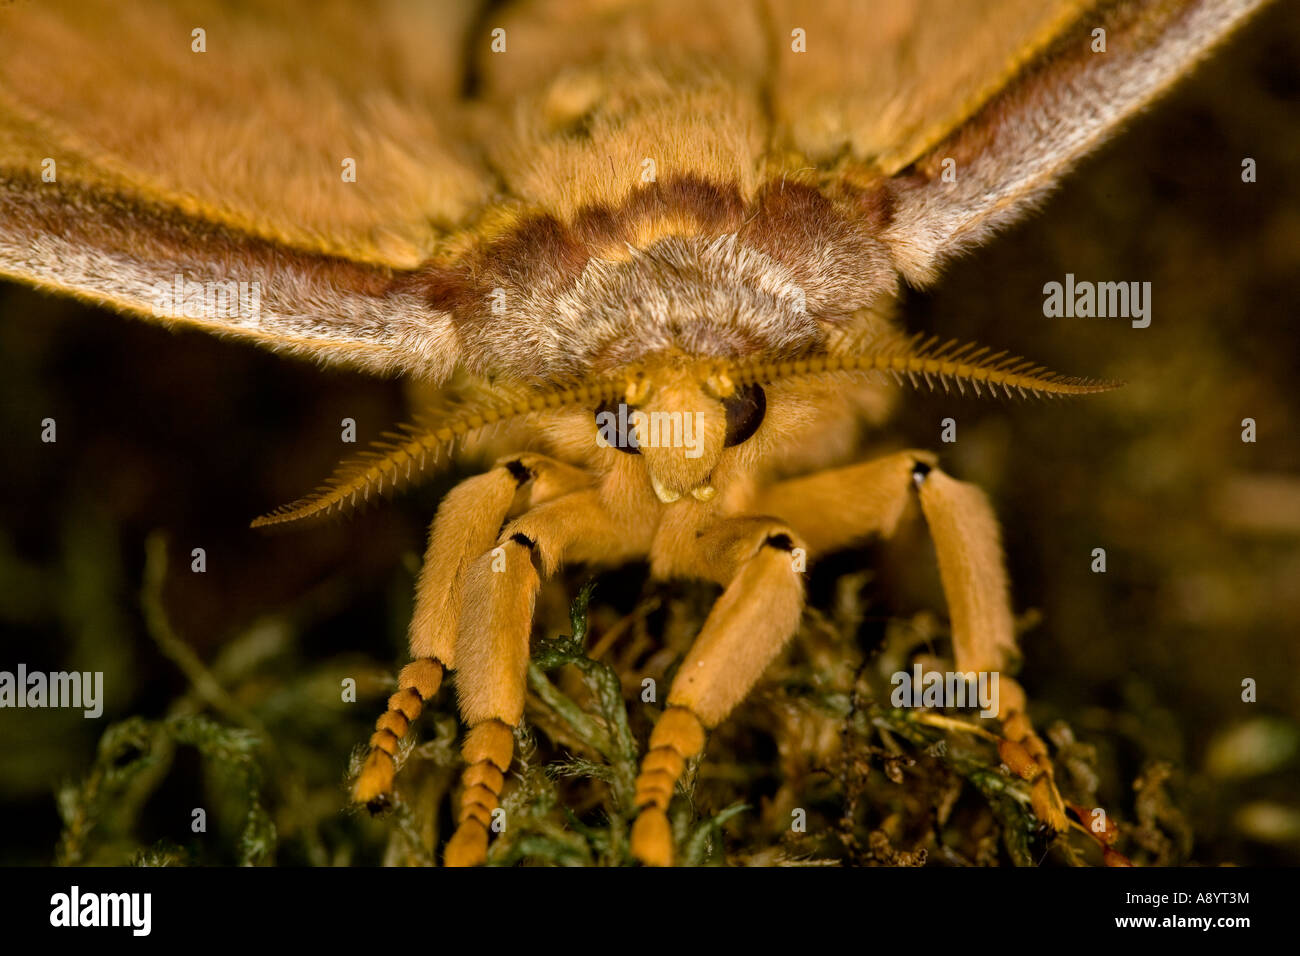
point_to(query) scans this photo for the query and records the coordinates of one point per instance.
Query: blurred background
(167, 442)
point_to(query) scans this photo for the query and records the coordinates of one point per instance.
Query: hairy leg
(492, 642)
(756, 615)
(838, 508)
(467, 524)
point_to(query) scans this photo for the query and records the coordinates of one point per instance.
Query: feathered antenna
(401, 458)
(917, 358)
(406, 456)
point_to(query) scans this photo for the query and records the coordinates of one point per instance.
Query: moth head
(680, 420)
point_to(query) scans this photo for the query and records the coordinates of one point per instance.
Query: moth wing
(977, 109)
(881, 83)
(294, 146)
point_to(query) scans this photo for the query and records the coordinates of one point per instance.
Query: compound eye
(745, 408)
(614, 427)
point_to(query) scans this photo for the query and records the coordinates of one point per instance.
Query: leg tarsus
(1024, 752)
(652, 837)
(678, 736)
(488, 749)
(416, 684)
(467, 846)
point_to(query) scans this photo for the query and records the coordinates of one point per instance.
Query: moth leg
(751, 622)
(837, 508)
(467, 523)
(500, 589)
(968, 542)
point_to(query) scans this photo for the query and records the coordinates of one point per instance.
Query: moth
(657, 245)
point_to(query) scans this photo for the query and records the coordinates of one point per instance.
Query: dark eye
(745, 408)
(612, 422)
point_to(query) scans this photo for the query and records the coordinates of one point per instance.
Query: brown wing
(879, 83)
(224, 166)
(1064, 103)
(131, 158)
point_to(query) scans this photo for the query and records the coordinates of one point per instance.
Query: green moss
(875, 785)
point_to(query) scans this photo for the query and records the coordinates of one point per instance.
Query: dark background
(181, 434)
